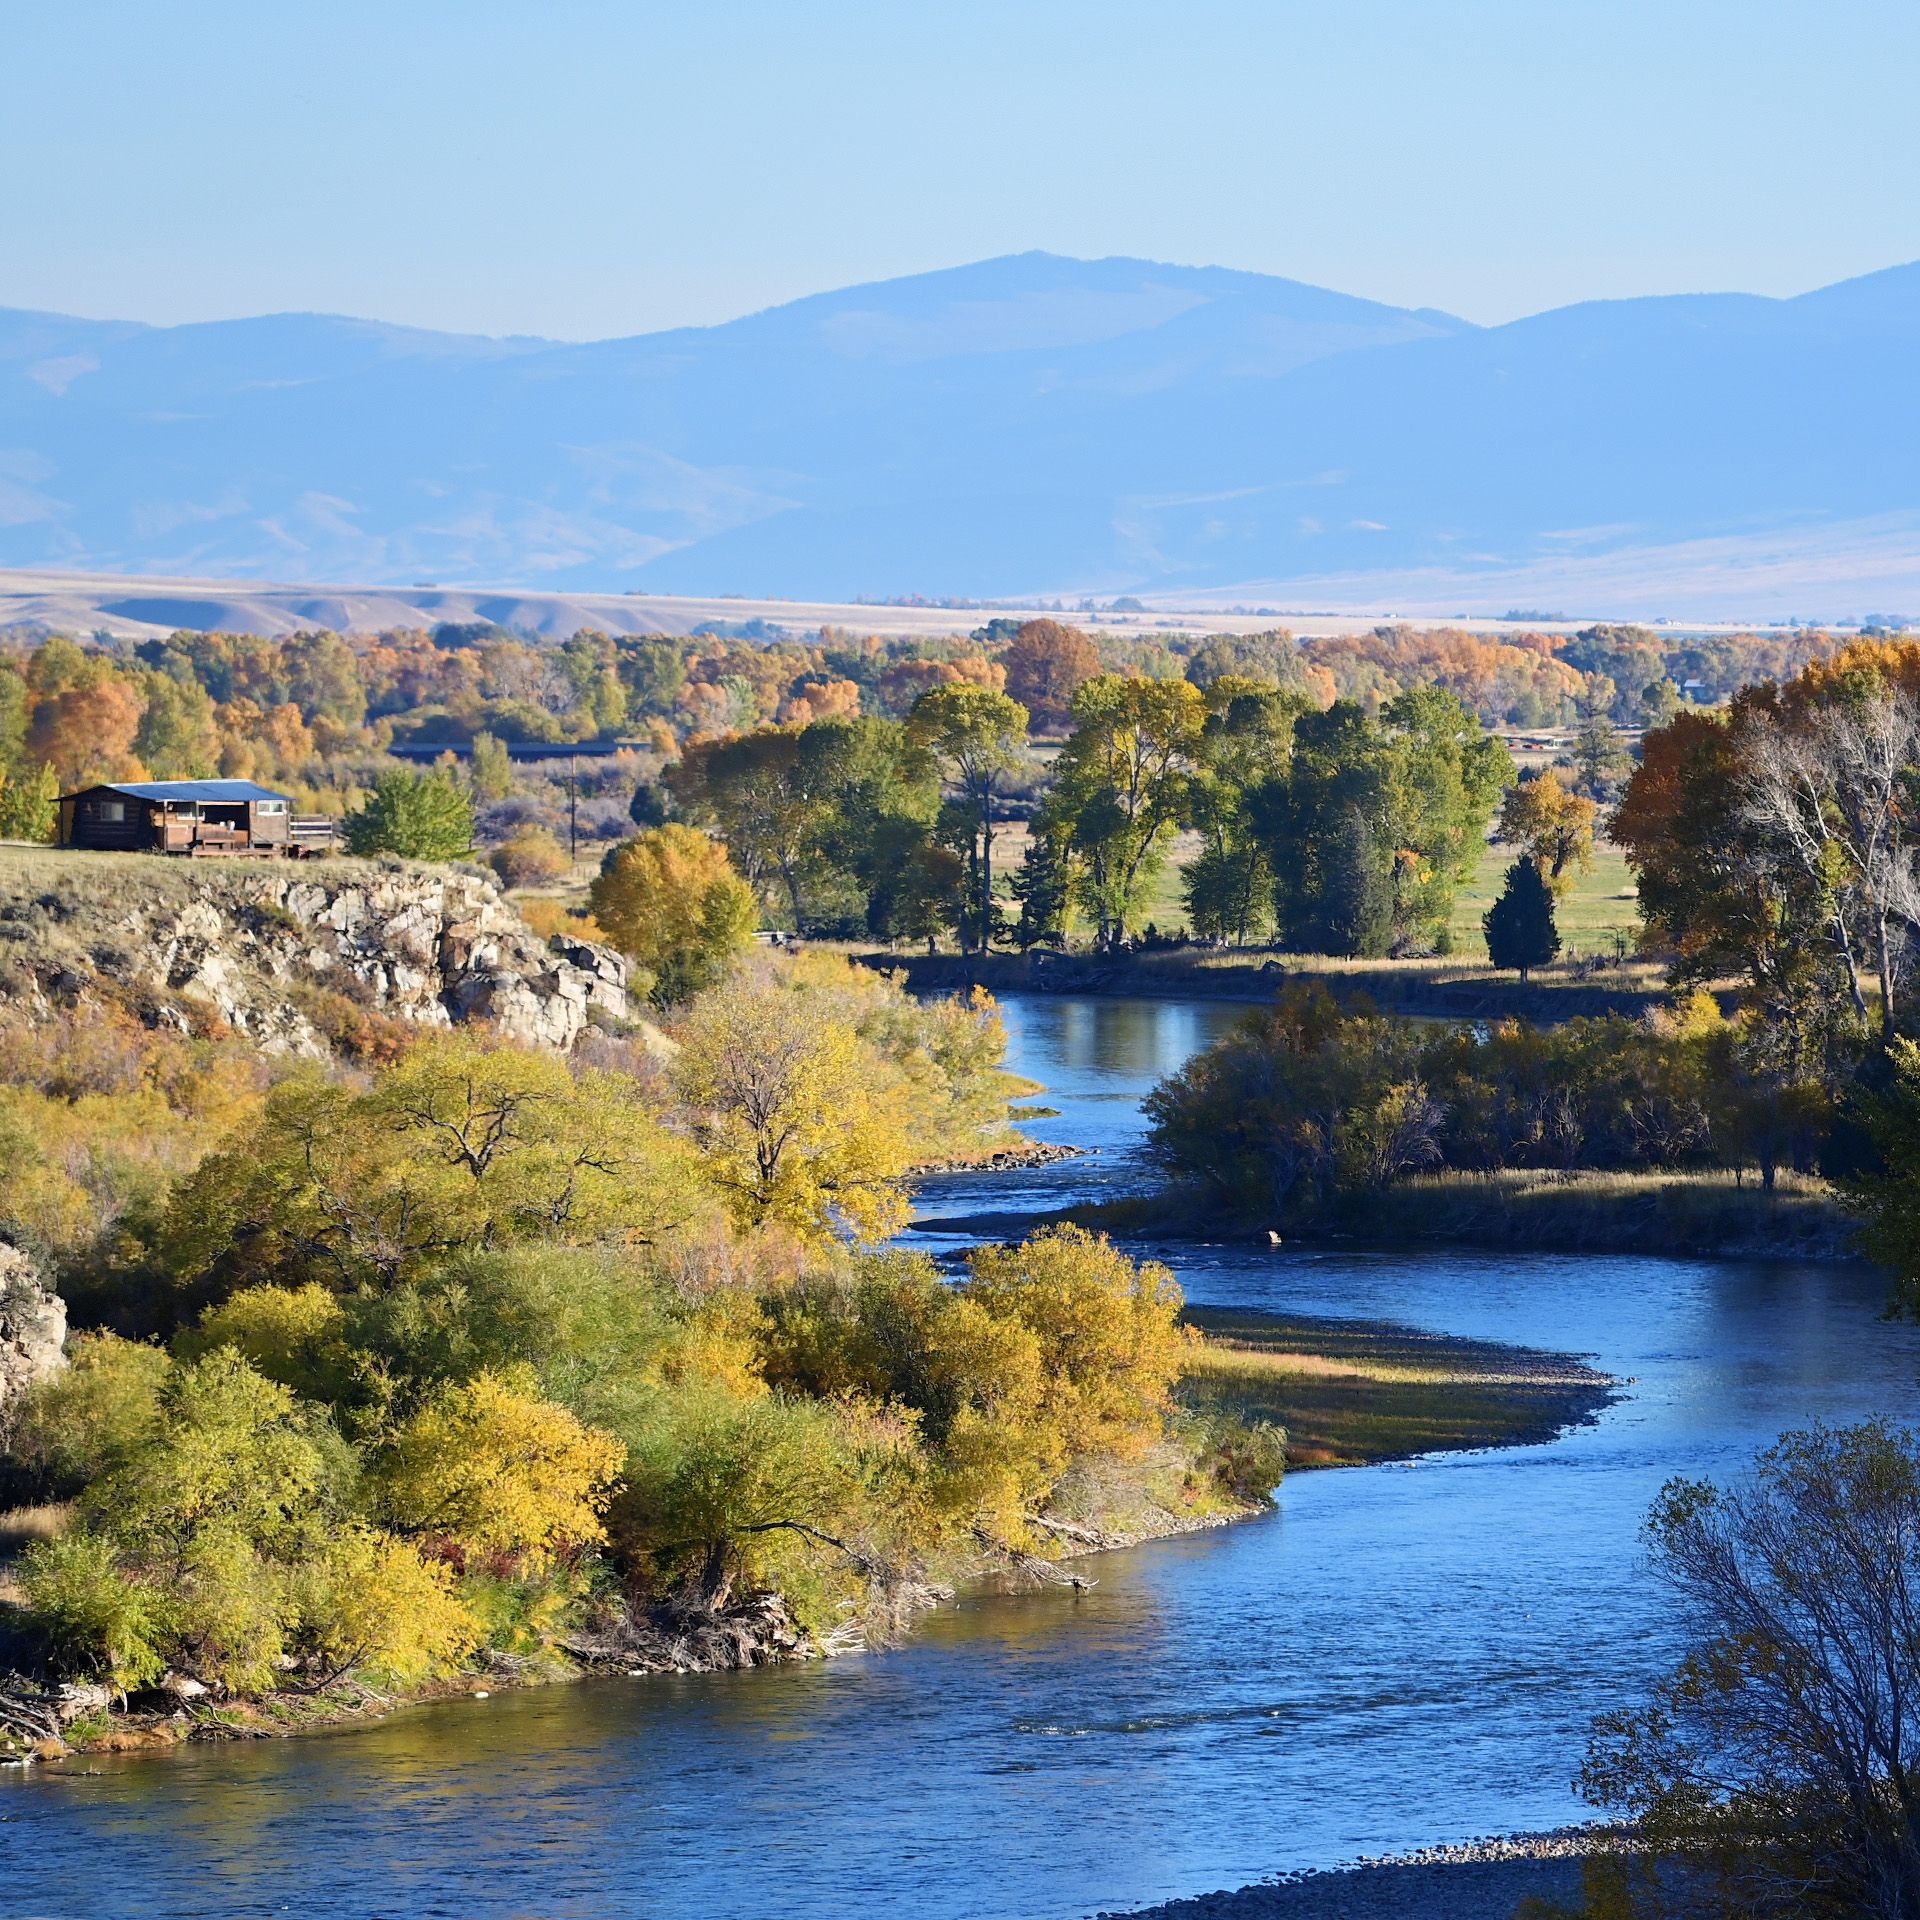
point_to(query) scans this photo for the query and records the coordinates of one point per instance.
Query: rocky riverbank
(1482, 1880)
(1009, 1159)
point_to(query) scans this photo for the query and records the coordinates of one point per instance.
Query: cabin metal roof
(221, 792)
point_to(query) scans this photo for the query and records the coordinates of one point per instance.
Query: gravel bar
(1482, 1880)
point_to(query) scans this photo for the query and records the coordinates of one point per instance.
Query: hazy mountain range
(1031, 424)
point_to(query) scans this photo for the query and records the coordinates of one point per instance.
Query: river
(1396, 1656)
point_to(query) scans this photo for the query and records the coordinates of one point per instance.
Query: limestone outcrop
(437, 945)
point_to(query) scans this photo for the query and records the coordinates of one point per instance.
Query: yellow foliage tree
(800, 1122)
(1108, 1328)
(367, 1602)
(461, 1144)
(670, 898)
(494, 1469)
(1554, 826)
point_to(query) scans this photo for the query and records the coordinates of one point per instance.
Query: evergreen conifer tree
(1520, 926)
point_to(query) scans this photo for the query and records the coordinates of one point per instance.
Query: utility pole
(573, 808)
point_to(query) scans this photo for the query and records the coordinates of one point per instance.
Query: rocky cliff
(436, 945)
(33, 1329)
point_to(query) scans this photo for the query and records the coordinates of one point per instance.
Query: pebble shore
(1481, 1880)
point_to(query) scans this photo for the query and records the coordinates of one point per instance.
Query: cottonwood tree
(1120, 787)
(1832, 788)
(1046, 664)
(797, 1121)
(976, 735)
(460, 1146)
(1552, 825)
(1246, 739)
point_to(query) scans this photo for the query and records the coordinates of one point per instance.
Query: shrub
(366, 1602)
(1107, 1327)
(94, 1415)
(496, 1470)
(91, 1619)
(528, 858)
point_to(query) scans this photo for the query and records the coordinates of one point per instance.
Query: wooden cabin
(200, 818)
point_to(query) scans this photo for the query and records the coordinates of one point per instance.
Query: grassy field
(1349, 1394)
(1599, 914)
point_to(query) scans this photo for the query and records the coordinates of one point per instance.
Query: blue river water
(1396, 1656)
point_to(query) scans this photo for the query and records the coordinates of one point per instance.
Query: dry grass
(1354, 1394)
(20, 1527)
(1712, 1212)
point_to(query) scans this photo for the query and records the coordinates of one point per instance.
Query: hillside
(1020, 425)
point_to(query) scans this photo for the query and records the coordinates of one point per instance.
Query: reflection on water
(1396, 1656)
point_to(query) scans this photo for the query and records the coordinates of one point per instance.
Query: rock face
(430, 944)
(33, 1329)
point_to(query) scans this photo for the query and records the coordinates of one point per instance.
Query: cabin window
(270, 806)
(112, 811)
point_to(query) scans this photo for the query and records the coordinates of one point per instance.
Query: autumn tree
(1551, 825)
(671, 900)
(797, 1120)
(1107, 1327)
(460, 1145)
(489, 1466)
(529, 856)
(976, 736)
(1046, 665)
(86, 730)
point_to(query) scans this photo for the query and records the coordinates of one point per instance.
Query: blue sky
(581, 168)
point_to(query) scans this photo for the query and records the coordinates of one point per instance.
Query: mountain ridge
(1028, 424)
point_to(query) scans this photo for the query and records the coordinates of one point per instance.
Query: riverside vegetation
(444, 1355)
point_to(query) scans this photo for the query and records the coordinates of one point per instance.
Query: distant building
(201, 818)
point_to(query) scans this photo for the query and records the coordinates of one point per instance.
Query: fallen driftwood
(29, 1711)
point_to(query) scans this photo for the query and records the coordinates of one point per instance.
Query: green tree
(746, 787)
(29, 802)
(1043, 886)
(1600, 756)
(420, 816)
(178, 738)
(1419, 785)
(976, 736)
(671, 899)
(1246, 741)
(491, 769)
(1520, 926)
(1120, 787)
